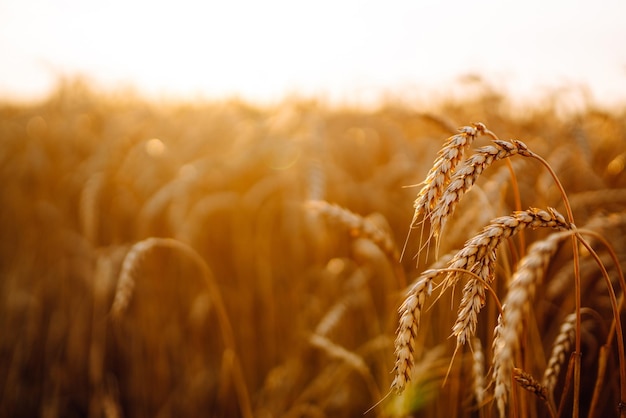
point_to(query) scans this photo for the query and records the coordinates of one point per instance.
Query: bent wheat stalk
(126, 284)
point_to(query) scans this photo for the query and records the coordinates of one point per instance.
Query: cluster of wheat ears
(448, 180)
(227, 260)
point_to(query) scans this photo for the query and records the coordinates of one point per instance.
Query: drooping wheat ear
(444, 166)
(501, 387)
(528, 382)
(471, 256)
(357, 225)
(527, 277)
(473, 300)
(410, 315)
(467, 174)
(126, 281)
(561, 346)
(478, 370)
(478, 257)
(126, 285)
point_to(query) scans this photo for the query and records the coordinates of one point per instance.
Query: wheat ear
(444, 166)
(126, 281)
(528, 382)
(501, 389)
(467, 174)
(478, 371)
(357, 225)
(527, 277)
(471, 256)
(561, 346)
(410, 316)
(478, 257)
(126, 284)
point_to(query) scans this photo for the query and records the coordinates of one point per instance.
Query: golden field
(223, 259)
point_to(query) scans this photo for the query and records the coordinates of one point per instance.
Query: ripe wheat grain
(450, 155)
(410, 316)
(467, 174)
(528, 382)
(561, 346)
(478, 257)
(478, 371)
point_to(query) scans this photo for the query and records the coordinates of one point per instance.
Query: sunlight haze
(349, 51)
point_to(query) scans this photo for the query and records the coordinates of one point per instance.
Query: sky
(350, 51)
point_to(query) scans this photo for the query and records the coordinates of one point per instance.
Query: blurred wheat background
(166, 260)
(207, 208)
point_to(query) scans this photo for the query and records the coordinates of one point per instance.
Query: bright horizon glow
(346, 51)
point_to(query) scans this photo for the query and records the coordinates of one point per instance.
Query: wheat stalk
(527, 277)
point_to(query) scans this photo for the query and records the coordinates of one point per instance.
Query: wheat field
(306, 260)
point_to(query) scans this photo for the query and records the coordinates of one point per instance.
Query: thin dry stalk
(577, 284)
(524, 282)
(617, 307)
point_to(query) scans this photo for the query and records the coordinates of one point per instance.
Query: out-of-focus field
(243, 300)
